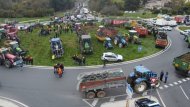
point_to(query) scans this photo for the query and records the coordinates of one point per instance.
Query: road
(40, 88)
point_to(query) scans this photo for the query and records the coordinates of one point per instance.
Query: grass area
(184, 28)
(39, 48)
(141, 15)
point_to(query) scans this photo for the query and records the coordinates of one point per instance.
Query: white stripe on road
(87, 102)
(161, 88)
(180, 82)
(112, 99)
(160, 98)
(165, 86)
(14, 101)
(184, 80)
(95, 102)
(175, 83)
(171, 84)
(184, 92)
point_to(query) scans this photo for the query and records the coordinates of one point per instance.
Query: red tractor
(12, 33)
(8, 59)
(142, 31)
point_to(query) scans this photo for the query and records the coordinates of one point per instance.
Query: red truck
(93, 84)
(142, 31)
(179, 19)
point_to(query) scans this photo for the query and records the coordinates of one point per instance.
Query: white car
(185, 32)
(167, 28)
(109, 56)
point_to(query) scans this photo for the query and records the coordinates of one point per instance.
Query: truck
(93, 84)
(161, 40)
(182, 64)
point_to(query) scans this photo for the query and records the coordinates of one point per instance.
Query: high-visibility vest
(53, 57)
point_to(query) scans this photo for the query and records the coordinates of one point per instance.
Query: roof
(55, 39)
(13, 42)
(108, 53)
(133, 31)
(142, 69)
(85, 36)
(107, 38)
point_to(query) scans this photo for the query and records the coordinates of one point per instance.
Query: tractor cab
(15, 48)
(107, 43)
(85, 44)
(120, 40)
(56, 47)
(141, 79)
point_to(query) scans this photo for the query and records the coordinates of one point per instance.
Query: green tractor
(133, 37)
(85, 44)
(15, 49)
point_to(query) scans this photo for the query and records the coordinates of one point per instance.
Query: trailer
(93, 84)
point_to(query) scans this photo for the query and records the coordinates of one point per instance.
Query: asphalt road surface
(40, 88)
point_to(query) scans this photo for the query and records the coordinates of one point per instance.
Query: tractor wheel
(156, 46)
(1, 61)
(7, 63)
(90, 95)
(115, 42)
(157, 84)
(129, 80)
(101, 94)
(120, 45)
(140, 88)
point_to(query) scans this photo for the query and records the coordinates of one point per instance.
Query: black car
(145, 102)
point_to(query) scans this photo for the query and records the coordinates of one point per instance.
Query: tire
(156, 46)
(8, 64)
(140, 88)
(1, 61)
(120, 45)
(90, 95)
(101, 94)
(115, 42)
(157, 84)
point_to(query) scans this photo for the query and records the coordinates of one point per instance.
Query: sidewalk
(123, 102)
(5, 102)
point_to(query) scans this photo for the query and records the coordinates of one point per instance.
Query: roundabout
(36, 86)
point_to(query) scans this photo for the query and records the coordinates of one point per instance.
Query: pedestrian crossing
(174, 83)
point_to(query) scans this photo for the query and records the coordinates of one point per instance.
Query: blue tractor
(107, 43)
(120, 40)
(56, 47)
(142, 79)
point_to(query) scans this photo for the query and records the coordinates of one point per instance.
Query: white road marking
(112, 99)
(160, 98)
(184, 80)
(165, 86)
(184, 92)
(87, 102)
(14, 101)
(161, 88)
(171, 85)
(175, 83)
(95, 102)
(179, 81)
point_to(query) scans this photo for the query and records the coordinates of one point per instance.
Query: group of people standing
(164, 75)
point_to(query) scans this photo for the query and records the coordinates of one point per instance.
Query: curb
(17, 103)
(114, 64)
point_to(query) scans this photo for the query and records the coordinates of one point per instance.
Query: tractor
(142, 79)
(8, 59)
(15, 49)
(120, 40)
(107, 43)
(161, 40)
(133, 37)
(142, 31)
(56, 47)
(85, 44)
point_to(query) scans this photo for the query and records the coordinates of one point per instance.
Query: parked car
(167, 28)
(109, 56)
(145, 102)
(185, 32)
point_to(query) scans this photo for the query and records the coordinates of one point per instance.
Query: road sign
(129, 90)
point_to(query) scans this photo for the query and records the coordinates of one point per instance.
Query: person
(55, 68)
(161, 75)
(104, 61)
(62, 66)
(83, 60)
(166, 77)
(59, 72)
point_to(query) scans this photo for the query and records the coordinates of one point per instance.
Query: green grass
(141, 15)
(184, 28)
(39, 48)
